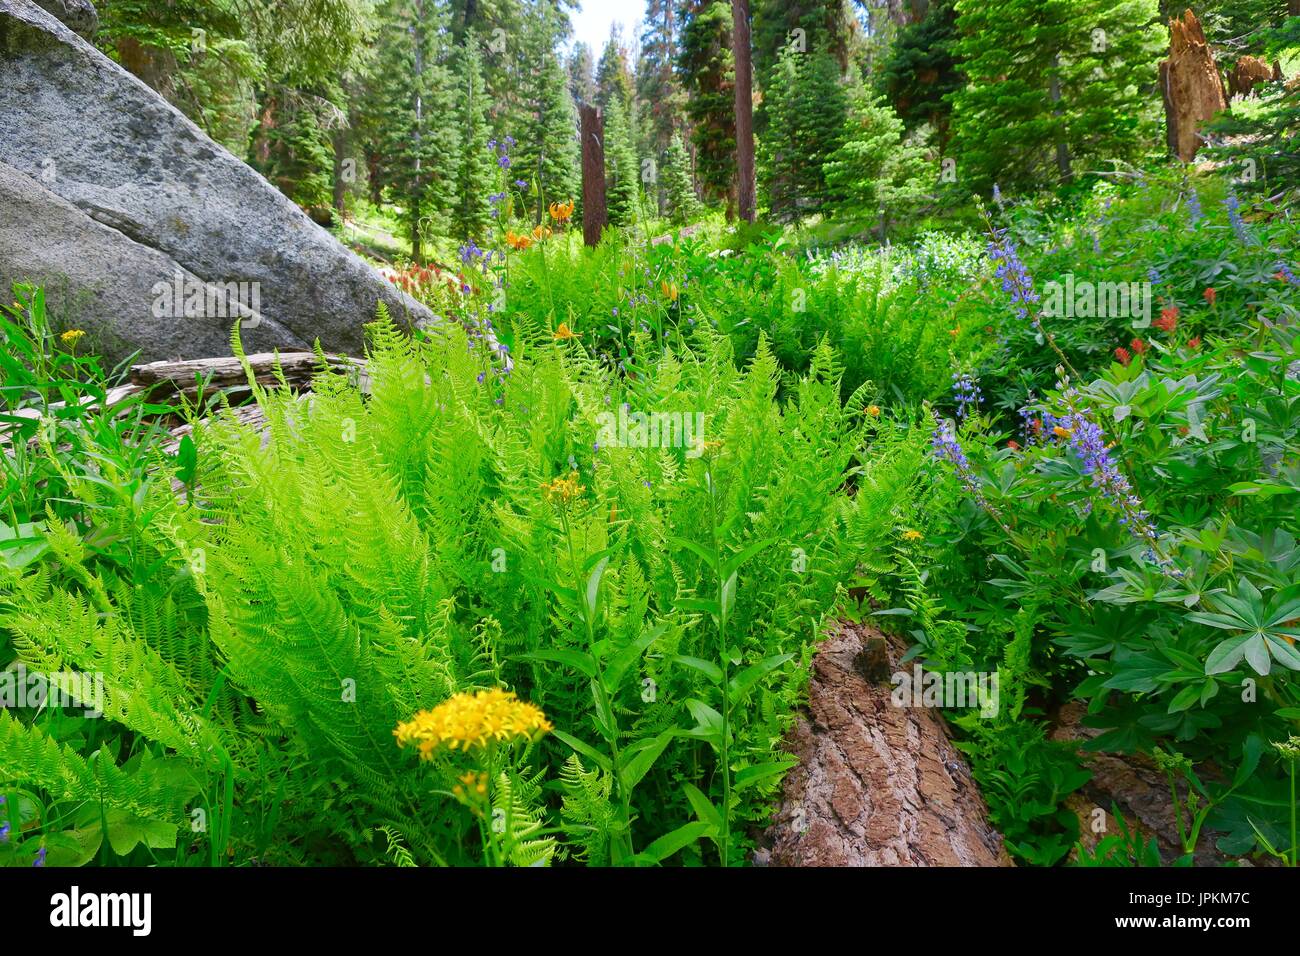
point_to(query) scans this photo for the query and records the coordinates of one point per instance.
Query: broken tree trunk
(876, 784)
(1192, 87)
(1247, 73)
(594, 214)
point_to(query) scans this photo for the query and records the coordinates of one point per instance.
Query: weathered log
(876, 784)
(1192, 87)
(167, 378)
(1138, 788)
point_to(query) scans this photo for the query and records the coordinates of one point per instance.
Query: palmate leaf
(1266, 638)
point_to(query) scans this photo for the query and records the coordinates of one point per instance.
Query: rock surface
(79, 16)
(876, 784)
(156, 197)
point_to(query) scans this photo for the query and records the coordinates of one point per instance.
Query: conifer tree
(679, 189)
(705, 67)
(621, 189)
(1051, 84)
(471, 216)
(878, 169)
(421, 149)
(547, 157)
(807, 106)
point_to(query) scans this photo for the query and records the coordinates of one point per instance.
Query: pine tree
(922, 70)
(705, 67)
(878, 168)
(1051, 84)
(582, 74)
(807, 110)
(548, 151)
(679, 190)
(472, 214)
(660, 101)
(421, 149)
(621, 188)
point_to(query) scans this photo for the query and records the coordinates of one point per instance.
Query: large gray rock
(90, 270)
(79, 16)
(155, 194)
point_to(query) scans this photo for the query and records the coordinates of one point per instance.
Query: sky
(591, 22)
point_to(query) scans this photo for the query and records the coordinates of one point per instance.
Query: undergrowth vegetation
(541, 582)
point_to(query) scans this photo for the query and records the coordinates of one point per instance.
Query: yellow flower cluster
(72, 336)
(466, 721)
(563, 490)
(912, 534)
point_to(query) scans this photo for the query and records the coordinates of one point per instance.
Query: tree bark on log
(595, 215)
(876, 784)
(1191, 85)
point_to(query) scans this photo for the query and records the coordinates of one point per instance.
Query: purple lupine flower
(947, 448)
(1088, 443)
(4, 832)
(40, 857)
(1234, 216)
(520, 184)
(1194, 207)
(1286, 275)
(1153, 274)
(503, 161)
(966, 391)
(1016, 280)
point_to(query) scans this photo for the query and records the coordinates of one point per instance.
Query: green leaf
(703, 806)
(579, 660)
(749, 776)
(747, 678)
(1226, 656)
(641, 756)
(585, 749)
(670, 843)
(593, 586)
(709, 669)
(696, 548)
(737, 560)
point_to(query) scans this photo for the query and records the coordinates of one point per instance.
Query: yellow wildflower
(561, 211)
(669, 290)
(541, 232)
(873, 411)
(564, 333)
(517, 242)
(563, 490)
(72, 336)
(473, 720)
(911, 534)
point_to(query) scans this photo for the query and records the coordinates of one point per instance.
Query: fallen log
(876, 784)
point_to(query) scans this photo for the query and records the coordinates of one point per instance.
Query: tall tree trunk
(339, 139)
(417, 30)
(746, 186)
(595, 216)
(1062, 147)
